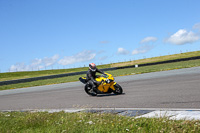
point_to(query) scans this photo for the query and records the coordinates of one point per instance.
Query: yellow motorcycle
(107, 85)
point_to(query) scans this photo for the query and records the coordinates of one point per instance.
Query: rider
(91, 75)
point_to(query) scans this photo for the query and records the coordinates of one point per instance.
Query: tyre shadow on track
(106, 95)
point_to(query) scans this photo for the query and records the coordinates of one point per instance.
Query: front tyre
(118, 89)
(89, 91)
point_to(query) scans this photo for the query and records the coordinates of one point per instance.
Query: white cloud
(103, 58)
(122, 51)
(50, 61)
(182, 37)
(36, 64)
(197, 26)
(142, 49)
(149, 39)
(138, 51)
(80, 57)
(18, 67)
(101, 52)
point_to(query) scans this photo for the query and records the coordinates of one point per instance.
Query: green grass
(43, 122)
(120, 72)
(29, 74)
(158, 59)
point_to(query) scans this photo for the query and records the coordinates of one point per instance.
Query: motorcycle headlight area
(107, 80)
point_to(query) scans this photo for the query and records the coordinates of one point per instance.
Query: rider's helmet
(92, 67)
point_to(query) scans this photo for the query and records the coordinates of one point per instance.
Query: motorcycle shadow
(107, 95)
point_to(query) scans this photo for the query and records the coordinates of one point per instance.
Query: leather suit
(91, 75)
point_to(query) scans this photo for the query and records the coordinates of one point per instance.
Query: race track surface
(178, 89)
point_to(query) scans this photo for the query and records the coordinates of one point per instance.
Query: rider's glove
(98, 83)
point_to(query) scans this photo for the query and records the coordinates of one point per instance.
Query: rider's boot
(94, 90)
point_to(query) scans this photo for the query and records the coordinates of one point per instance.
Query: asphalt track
(175, 89)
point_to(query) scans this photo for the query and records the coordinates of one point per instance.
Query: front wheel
(89, 91)
(118, 89)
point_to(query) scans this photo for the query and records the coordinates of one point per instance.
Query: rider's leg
(93, 85)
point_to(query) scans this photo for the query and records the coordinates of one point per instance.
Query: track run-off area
(175, 90)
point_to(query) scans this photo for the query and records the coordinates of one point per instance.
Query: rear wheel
(118, 89)
(89, 90)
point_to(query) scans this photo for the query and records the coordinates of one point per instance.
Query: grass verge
(157, 59)
(37, 122)
(120, 72)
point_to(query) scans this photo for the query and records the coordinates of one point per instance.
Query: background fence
(84, 72)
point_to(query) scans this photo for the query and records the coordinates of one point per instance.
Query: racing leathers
(91, 75)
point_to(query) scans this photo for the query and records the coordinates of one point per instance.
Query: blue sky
(57, 34)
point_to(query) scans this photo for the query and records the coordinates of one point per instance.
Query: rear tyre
(118, 89)
(89, 90)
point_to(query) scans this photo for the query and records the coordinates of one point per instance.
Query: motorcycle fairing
(83, 80)
(104, 86)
